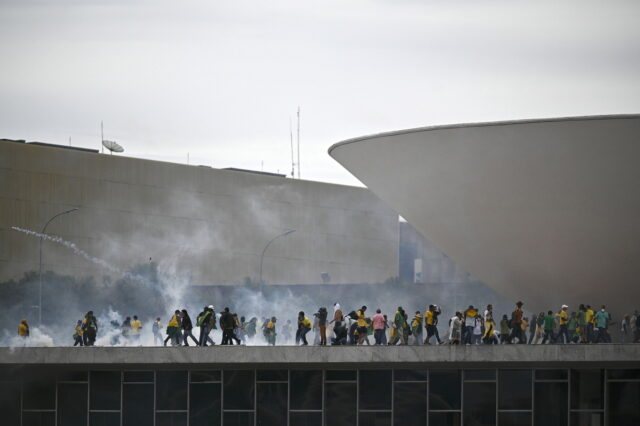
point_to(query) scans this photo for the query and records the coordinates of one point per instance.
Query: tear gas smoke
(74, 247)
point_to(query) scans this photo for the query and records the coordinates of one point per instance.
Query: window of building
(479, 405)
(10, 402)
(340, 404)
(444, 390)
(171, 419)
(137, 404)
(171, 390)
(515, 390)
(272, 404)
(550, 404)
(375, 390)
(205, 376)
(104, 390)
(444, 419)
(624, 403)
(305, 419)
(72, 404)
(236, 418)
(368, 418)
(410, 403)
(205, 404)
(238, 386)
(39, 418)
(306, 390)
(39, 390)
(104, 419)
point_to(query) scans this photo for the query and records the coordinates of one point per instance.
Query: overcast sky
(220, 80)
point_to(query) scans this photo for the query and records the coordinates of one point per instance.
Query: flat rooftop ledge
(613, 355)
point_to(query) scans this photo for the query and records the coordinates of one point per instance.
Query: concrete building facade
(546, 211)
(505, 385)
(205, 224)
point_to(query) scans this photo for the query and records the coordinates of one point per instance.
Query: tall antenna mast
(298, 141)
(293, 164)
(102, 136)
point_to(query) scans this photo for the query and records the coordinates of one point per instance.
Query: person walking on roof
(602, 323)
(304, 325)
(469, 323)
(206, 320)
(156, 328)
(227, 324)
(23, 329)
(77, 336)
(549, 322)
(455, 328)
(173, 330)
(322, 325)
(187, 328)
(90, 324)
(271, 331)
(378, 326)
(362, 325)
(136, 327)
(416, 328)
(563, 333)
(516, 324)
(399, 324)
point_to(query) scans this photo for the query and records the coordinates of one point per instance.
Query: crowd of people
(472, 326)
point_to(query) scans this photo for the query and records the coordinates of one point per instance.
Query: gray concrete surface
(207, 224)
(397, 356)
(546, 211)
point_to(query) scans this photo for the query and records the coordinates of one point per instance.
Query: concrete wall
(485, 356)
(546, 211)
(207, 224)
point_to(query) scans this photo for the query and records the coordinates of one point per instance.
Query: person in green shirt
(574, 328)
(549, 322)
(602, 323)
(582, 323)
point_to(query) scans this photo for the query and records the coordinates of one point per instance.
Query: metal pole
(265, 250)
(44, 228)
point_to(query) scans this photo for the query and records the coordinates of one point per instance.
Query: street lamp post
(44, 228)
(267, 246)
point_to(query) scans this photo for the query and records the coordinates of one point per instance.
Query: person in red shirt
(378, 327)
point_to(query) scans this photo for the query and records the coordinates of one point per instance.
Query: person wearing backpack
(206, 321)
(398, 328)
(416, 328)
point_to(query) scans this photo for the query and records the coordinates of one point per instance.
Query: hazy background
(221, 79)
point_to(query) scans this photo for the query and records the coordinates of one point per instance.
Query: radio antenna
(293, 164)
(298, 141)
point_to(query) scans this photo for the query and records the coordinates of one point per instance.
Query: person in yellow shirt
(563, 317)
(362, 325)
(431, 324)
(23, 329)
(304, 325)
(416, 328)
(590, 317)
(136, 326)
(271, 331)
(524, 325)
(173, 330)
(78, 334)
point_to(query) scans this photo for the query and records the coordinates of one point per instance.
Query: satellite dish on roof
(112, 146)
